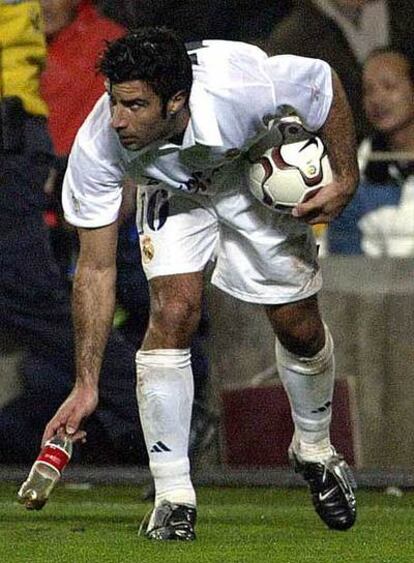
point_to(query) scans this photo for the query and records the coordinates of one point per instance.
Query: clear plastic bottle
(45, 473)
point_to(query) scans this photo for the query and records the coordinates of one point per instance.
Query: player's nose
(118, 118)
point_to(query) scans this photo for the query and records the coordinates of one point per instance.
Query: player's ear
(176, 103)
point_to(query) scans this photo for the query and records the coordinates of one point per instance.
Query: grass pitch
(237, 525)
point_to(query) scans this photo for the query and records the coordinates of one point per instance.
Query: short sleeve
(92, 187)
(303, 83)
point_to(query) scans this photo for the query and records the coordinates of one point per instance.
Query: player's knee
(306, 337)
(312, 362)
(178, 316)
(298, 326)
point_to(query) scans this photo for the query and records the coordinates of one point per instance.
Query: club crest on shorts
(148, 251)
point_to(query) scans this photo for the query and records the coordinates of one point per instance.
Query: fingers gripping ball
(291, 172)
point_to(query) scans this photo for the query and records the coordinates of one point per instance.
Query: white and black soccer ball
(289, 173)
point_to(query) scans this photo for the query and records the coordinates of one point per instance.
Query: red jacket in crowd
(70, 84)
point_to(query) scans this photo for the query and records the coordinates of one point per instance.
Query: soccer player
(179, 121)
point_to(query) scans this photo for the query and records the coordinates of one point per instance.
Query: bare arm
(93, 300)
(93, 305)
(339, 136)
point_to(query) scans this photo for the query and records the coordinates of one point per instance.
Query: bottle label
(53, 455)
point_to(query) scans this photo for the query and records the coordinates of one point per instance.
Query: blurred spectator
(76, 34)
(35, 310)
(343, 32)
(22, 47)
(240, 20)
(380, 219)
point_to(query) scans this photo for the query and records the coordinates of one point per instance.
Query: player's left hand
(326, 204)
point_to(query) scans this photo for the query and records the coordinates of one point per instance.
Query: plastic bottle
(45, 473)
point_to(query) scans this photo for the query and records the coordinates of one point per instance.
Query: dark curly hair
(154, 55)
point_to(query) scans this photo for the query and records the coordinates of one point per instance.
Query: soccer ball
(293, 170)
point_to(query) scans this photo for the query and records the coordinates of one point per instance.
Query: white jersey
(237, 89)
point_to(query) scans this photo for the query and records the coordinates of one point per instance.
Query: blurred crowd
(48, 85)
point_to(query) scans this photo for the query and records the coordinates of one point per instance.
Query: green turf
(235, 525)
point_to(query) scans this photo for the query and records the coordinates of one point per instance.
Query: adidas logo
(159, 447)
(322, 409)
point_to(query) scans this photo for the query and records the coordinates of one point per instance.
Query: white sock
(165, 390)
(309, 384)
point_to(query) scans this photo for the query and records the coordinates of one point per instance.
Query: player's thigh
(178, 234)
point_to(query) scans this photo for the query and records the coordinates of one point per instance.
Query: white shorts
(261, 256)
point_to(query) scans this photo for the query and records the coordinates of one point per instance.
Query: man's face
(137, 116)
(388, 92)
(57, 14)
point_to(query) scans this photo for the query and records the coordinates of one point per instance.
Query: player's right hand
(325, 204)
(80, 404)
